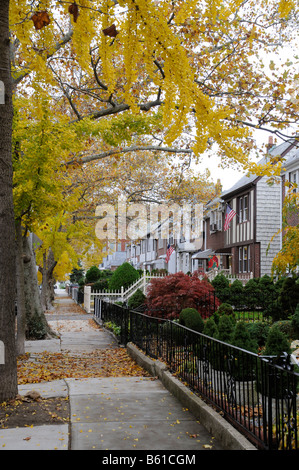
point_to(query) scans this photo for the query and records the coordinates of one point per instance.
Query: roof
(203, 254)
(251, 178)
(292, 157)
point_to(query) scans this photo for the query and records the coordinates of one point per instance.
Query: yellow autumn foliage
(162, 47)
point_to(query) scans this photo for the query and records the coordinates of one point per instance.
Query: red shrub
(167, 296)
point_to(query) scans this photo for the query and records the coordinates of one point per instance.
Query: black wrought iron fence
(249, 306)
(258, 395)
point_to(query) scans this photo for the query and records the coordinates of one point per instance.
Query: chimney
(270, 143)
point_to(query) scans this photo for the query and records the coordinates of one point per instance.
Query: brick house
(245, 248)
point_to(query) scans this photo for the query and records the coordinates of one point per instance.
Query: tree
(38, 194)
(123, 276)
(8, 370)
(76, 275)
(287, 259)
(189, 84)
(92, 66)
(168, 296)
(203, 64)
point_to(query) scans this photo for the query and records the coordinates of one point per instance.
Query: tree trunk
(36, 324)
(8, 366)
(48, 282)
(21, 316)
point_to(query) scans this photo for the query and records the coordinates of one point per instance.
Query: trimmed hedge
(190, 317)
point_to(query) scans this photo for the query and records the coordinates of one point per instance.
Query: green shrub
(171, 331)
(243, 364)
(252, 294)
(242, 339)
(113, 327)
(236, 293)
(295, 323)
(224, 309)
(76, 275)
(124, 275)
(285, 327)
(259, 332)
(137, 299)
(219, 352)
(288, 298)
(277, 342)
(100, 284)
(225, 328)
(210, 328)
(220, 282)
(191, 318)
(35, 327)
(221, 286)
(266, 285)
(92, 275)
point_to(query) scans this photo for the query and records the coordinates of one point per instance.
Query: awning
(203, 254)
(223, 251)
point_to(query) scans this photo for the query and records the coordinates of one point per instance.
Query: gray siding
(268, 218)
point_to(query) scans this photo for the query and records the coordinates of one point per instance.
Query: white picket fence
(118, 296)
(243, 277)
(124, 295)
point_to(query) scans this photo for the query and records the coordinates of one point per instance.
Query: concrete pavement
(121, 413)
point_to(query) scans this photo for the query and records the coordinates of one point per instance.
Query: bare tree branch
(133, 148)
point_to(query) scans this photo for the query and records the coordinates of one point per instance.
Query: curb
(229, 437)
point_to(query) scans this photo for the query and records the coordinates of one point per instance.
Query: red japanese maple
(167, 296)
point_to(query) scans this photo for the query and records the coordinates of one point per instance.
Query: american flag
(169, 252)
(230, 214)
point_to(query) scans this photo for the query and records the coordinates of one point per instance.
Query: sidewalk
(108, 413)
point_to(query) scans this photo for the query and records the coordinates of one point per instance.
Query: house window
(243, 211)
(244, 259)
(293, 178)
(215, 220)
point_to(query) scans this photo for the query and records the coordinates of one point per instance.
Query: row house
(246, 248)
(146, 253)
(152, 251)
(114, 255)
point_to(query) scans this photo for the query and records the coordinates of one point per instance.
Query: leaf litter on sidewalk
(33, 368)
(48, 366)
